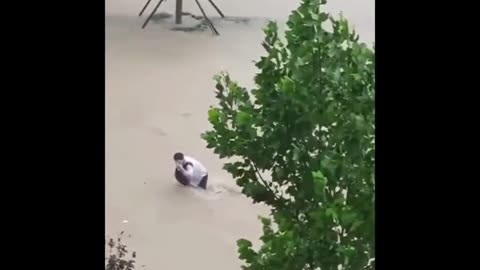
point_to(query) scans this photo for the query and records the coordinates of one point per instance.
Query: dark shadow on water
(243, 20)
(197, 23)
(159, 17)
(200, 27)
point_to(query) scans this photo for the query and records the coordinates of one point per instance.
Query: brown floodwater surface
(158, 89)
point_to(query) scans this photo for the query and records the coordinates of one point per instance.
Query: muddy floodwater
(158, 89)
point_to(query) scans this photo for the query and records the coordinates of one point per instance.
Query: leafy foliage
(309, 125)
(117, 256)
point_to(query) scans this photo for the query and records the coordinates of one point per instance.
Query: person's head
(178, 157)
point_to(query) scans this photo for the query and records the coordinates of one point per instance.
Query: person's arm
(187, 172)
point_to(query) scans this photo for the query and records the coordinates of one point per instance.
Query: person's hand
(179, 165)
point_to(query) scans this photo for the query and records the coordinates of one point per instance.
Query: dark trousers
(183, 180)
(203, 182)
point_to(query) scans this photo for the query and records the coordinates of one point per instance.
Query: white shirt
(196, 173)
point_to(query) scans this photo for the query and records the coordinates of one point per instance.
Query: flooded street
(158, 89)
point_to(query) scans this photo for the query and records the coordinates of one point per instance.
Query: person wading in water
(189, 171)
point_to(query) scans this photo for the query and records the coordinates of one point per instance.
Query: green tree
(304, 144)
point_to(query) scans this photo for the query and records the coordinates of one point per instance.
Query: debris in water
(186, 114)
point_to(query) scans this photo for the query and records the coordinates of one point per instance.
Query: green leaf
(206, 136)
(242, 118)
(319, 183)
(279, 172)
(319, 175)
(219, 87)
(244, 243)
(359, 121)
(266, 46)
(244, 249)
(332, 213)
(242, 181)
(317, 216)
(299, 62)
(356, 224)
(296, 154)
(265, 221)
(213, 115)
(347, 218)
(287, 84)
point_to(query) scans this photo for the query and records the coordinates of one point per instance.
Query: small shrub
(118, 255)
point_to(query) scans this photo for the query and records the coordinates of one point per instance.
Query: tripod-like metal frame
(178, 13)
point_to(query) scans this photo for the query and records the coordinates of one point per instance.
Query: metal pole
(207, 19)
(151, 14)
(144, 7)
(216, 8)
(178, 12)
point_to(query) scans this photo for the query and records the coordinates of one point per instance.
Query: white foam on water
(217, 189)
(209, 195)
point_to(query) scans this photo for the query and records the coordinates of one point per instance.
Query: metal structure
(179, 13)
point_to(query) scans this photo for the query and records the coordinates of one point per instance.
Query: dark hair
(178, 156)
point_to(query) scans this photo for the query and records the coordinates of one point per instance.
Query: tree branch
(253, 167)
